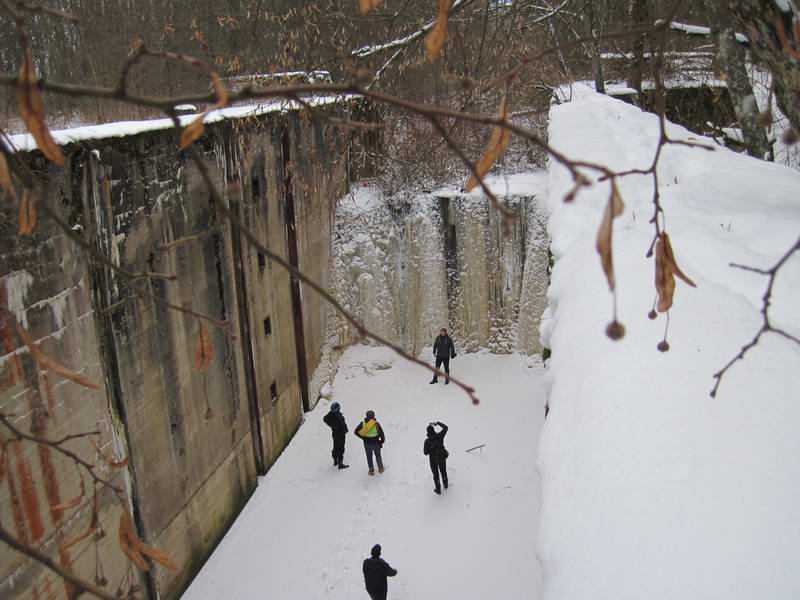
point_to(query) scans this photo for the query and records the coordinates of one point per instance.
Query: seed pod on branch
(31, 109)
(5, 178)
(367, 6)
(135, 549)
(204, 350)
(45, 362)
(497, 144)
(192, 132)
(437, 36)
(28, 216)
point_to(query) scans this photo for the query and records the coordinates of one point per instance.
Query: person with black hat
(376, 570)
(371, 432)
(443, 350)
(434, 449)
(335, 420)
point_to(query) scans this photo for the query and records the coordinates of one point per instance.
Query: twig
(45, 560)
(766, 324)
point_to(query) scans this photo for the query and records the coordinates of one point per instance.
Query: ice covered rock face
(409, 265)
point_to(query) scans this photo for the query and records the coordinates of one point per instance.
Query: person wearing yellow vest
(371, 432)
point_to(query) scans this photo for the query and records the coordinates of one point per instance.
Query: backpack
(437, 449)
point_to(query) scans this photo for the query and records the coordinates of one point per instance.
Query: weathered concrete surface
(195, 442)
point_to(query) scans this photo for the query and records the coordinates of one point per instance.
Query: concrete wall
(195, 442)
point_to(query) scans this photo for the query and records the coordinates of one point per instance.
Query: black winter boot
(335, 461)
(437, 490)
(343, 466)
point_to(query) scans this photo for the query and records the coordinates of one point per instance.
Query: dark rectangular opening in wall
(255, 187)
(262, 262)
(267, 327)
(273, 391)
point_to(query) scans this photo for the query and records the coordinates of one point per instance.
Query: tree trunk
(599, 79)
(731, 61)
(639, 17)
(775, 43)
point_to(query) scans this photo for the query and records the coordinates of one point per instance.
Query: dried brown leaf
(135, 549)
(497, 144)
(367, 6)
(127, 541)
(666, 269)
(31, 109)
(604, 234)
(45, 362)
(671, 257)
(156, 555)
(72, 503)
(204, 351)
(437, 36)
(665, 281)
(192, 132)
(219, 90)
(28, 216)
(5, 178)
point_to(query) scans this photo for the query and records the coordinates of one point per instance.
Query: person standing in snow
(335, 420)
(376, 570)
(371, 432)
(443, 350)
(434, 449)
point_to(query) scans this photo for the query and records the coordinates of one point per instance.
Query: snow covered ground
(308, 527)
(652, 489)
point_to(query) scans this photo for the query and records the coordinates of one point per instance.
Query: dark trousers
(375, 449)
(442, 361)
(438, 466)
(338, 447)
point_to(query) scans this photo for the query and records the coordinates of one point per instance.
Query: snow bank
(652, 489)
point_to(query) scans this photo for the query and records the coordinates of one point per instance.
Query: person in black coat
(335, 420)
(434, 449)
(443, 350)
(376, 570)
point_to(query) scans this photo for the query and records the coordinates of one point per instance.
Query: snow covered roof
(310, 76)
(25, 143)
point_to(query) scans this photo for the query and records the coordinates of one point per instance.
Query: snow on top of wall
(652, 489)
(24, 142)
(700, 30)
(527, 183)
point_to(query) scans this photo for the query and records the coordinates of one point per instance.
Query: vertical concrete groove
(297, 301)
(240, 290)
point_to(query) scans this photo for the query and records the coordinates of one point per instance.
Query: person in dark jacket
(335, 420)
(371, 432)
(434, 449)
(443, 350)
(376, 570)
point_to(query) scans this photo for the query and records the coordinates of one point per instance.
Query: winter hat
(431, 431)
(376, 550)
(335, 407)
(371, 415)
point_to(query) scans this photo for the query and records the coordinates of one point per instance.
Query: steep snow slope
(305, 532)
(652, 489)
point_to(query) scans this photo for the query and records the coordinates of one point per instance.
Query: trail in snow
(308, 527)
